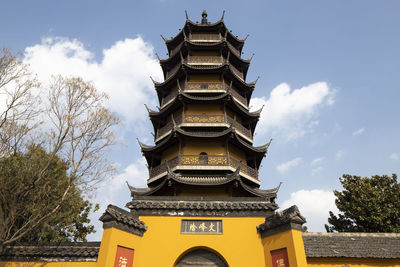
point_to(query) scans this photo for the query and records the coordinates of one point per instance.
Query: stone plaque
(208, 227)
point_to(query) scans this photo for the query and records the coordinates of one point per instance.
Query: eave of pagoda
(234, 179)
(230, 134)
(184, 69)
(192, 27)
(187, 45)
(182, 98)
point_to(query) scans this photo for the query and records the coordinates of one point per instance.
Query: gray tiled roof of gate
(352, 245)
(79, 251)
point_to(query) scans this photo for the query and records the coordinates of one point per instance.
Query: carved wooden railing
(205, 37)
(204, 160)
(206, 86)
(206, 119)
(205, 60)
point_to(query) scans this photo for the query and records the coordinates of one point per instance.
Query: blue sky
(342, 57)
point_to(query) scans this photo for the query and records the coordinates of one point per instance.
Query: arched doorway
(201, 257)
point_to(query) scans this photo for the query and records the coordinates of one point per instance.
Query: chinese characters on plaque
(279, 258)
(213, 227)
(124, 257)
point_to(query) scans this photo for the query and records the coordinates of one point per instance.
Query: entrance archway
(201, 257)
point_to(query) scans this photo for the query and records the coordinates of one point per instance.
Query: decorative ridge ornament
(204, 17)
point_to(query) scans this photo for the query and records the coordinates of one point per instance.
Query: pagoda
(203, 127)
(203, 205)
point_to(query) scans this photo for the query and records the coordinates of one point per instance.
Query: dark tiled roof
(123, 220)
(84, 251)
(280, 221)
(352, 245)
(153, 206)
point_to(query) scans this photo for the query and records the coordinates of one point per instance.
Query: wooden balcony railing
(205, 86)
(204, 60)
(205, 37)
(203, 161)
(205, 119)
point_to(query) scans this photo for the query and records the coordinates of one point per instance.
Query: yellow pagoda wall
(209, 109)
(170, 153)
(204, 78)
(199, 191)
(196, 147)
(237, 153)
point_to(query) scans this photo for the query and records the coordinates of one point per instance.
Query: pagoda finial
(186, 14)
(223, 14)
(204, 17)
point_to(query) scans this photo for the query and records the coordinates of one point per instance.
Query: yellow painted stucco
(162, 244)
(48, 264)
(352, 262)
(292, 240)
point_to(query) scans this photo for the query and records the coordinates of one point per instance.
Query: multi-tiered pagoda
(203, 205)
(203, 128)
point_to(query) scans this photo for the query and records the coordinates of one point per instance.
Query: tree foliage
(54, 140)
(367, 205)
(21, 199)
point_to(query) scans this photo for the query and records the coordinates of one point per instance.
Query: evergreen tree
(367, 205)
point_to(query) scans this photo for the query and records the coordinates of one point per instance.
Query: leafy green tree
(22, 198)
(367, 205)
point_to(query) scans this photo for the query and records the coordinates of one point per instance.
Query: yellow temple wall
(204, 78)
(112, 238)
(292, 240)
(48, 264)
(352, 262)
(163, 244)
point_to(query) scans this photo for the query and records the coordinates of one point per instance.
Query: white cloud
(394, 156)
(358, 132)
(317, 160)
(115, 191)
(291, 114)
(123, 72)
(339, 154)
(314, 205)
(317, 170)
(284, 167)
